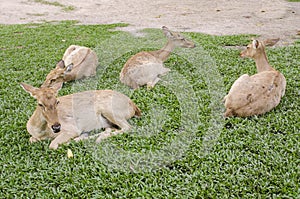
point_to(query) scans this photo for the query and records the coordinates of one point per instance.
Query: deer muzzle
(56, 127)
(242, 54)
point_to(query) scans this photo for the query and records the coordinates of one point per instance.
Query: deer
(84, 61)
(258, 93)
(146, 67)
(64, 118)
(58, 74)
(78, 62)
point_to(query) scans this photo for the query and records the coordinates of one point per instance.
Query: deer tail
(137, 111)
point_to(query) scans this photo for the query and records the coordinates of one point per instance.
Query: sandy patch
(268, 18)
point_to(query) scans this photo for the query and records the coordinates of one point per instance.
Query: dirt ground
(268, 18)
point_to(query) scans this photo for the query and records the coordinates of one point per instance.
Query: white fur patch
(254, 44)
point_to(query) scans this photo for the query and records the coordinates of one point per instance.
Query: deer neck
(262, 63)
(46, 83)
(56, 75)
(164, 53)
(37, 120)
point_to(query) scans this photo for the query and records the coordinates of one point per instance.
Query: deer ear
(167, 32)
(255, 44)
(270, 42)
(57, 86)
(29, 89)
(60, 64)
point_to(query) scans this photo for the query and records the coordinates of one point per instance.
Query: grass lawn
(180, 148)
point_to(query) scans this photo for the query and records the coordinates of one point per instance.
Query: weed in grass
(180, 148)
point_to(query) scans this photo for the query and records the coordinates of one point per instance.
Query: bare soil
(268, 18)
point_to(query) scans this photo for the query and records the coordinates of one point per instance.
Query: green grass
(180, 148)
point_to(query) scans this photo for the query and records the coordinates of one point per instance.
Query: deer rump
(84, 61)
(255, 94)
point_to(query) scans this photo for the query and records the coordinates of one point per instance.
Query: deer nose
(192, 45)
(56, 127)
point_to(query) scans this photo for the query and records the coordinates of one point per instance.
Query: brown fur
(259, 93)
(84, 60)
(145, 68)
(78, 62)
(66, 117)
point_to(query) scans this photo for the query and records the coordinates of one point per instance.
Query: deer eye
(41, 105)
(57, 102)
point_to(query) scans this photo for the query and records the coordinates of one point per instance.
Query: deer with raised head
(78, 62)
(259, 93)
(145, 68)
(65, 118)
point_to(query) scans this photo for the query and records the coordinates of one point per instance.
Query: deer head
(257, 48)
(58, 74)
(177, 39)
(47, 103)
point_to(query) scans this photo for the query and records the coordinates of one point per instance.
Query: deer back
(84, 61)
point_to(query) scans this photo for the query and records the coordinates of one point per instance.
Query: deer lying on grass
(145, 68)
(84, 60)
(66, 117)
(78, 62)
(259, 93)
(58, 74)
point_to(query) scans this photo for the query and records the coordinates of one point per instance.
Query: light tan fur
(145, 68)
(66, 117)
(57, 75)
(78, 62)
(84, 60)
(259, 93)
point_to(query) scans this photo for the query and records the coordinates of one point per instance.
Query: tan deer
(58, 74)
(84, 61)
(259, 93)
(78, 62)
(145, 68)
(66, 117)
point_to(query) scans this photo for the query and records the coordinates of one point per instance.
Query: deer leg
(33, 139)
(86, 136)
(152, 84)
(133, 85)
(228, 113)
(124, 126)
(63, 138)
(83, 136)
(165, 71)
